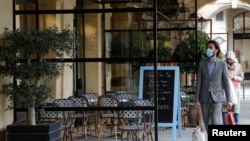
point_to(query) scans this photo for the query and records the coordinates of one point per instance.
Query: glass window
(241, 39)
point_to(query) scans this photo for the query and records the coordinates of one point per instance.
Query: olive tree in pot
(24, 56)
(188, 50)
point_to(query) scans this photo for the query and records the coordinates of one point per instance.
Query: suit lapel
(215, 67)
(206, 70)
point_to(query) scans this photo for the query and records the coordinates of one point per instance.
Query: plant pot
(45, 131)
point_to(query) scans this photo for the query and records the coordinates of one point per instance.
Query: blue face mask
(209, 53)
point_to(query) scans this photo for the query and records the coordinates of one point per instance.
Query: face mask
(209, 53)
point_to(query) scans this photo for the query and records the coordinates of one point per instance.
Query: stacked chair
(125, 99)
(108, 118)
(66, 118)
(92, 122)
(148, 117)
(131, 125)
(82, 117)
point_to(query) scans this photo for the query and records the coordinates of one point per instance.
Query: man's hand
(229, 105)
(197, 105)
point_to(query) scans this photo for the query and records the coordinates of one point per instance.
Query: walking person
(213, 88)
(236, 75)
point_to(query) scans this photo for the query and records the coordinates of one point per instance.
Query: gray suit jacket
(218, 83)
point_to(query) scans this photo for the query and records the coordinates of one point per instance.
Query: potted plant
(24, 57)
(187, 50)
(164, 46)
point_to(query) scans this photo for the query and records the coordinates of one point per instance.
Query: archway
(219, 6)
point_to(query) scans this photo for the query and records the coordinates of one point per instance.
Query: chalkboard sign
(165, 86)
(168, 94)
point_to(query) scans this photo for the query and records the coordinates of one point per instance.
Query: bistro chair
(81, 116)
(66, 117)
(92, 101)
(110, 93)
(49, 115)
(148, 117)
(126, 99)
(108, 117)
(92, 98)
(131, 125)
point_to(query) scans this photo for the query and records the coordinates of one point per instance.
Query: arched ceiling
(211, 9)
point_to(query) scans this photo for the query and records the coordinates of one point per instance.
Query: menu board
(167, 94)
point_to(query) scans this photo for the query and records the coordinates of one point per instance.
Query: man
(213, 88)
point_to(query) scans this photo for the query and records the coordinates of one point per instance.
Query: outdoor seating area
(99, 125)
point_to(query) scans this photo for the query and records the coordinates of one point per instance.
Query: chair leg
(77, 125)
(96, 125)
(115, 132)
(84, 128)
(123, 135)
(114, 128)
(65, 136)
(100, 128)
(128, 136)
(70, 134)
(137, 135)
(150, 138)
(62, 136)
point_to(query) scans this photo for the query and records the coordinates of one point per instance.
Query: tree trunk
(32, 115)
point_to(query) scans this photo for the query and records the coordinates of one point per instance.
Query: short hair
(217, 46)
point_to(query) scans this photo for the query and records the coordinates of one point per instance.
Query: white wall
(6, 117)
